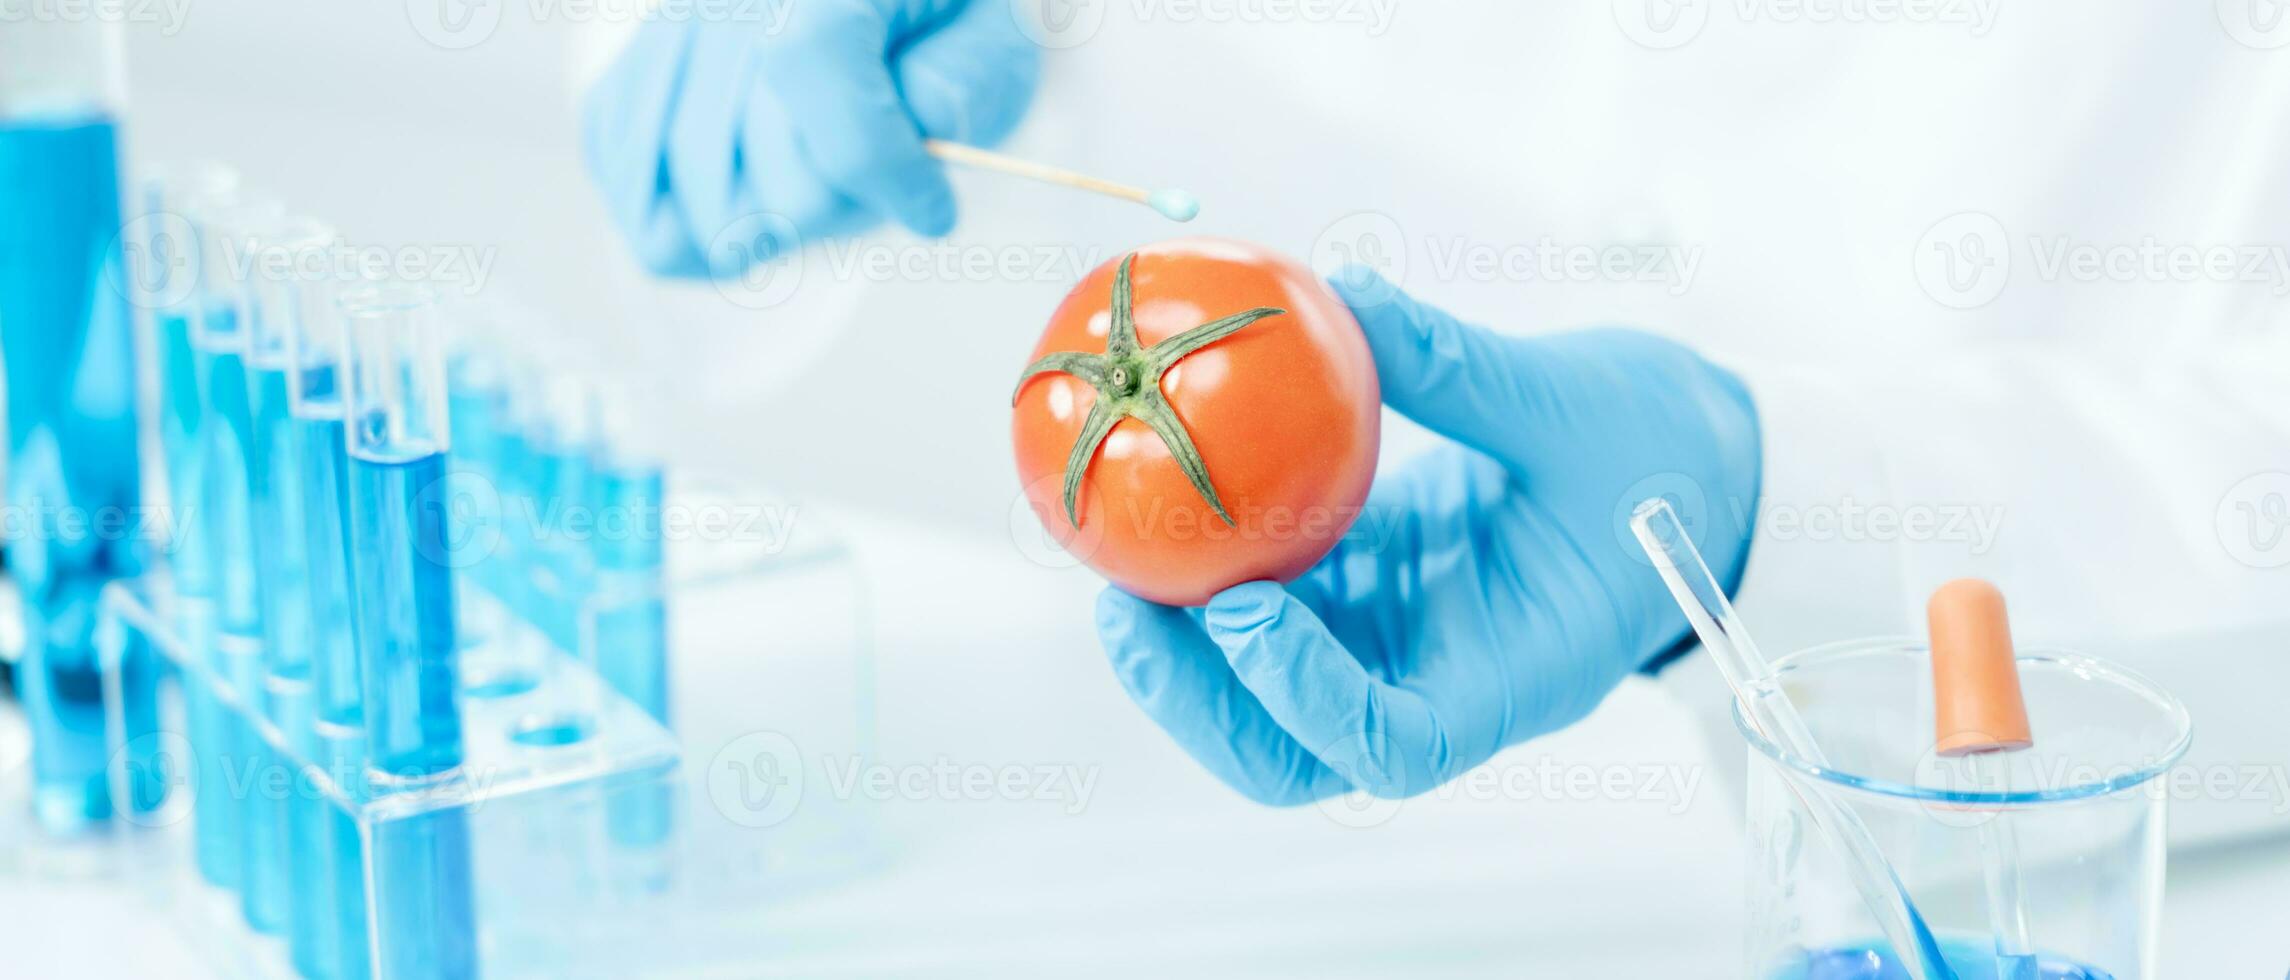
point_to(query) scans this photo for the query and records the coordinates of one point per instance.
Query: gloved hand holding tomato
(1500, 596)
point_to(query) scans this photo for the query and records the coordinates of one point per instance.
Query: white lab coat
(2089, 412)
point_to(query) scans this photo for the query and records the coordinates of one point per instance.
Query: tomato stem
(1128, 383)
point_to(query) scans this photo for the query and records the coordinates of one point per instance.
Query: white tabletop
(984, 659)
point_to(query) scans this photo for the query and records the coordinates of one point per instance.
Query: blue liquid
(179, 417)
(65, 333)
(343, 752)
(1969, 959)
(561, 477)
(181, 414)
(474, 412)
(226, 428)
(424, 911)
(405, 613)
(282, 579)
(319, 445)
(404, 618)
(333, 944)
(512, 475)
(632, 627)
(257, 792)
(282, 562)
(226, 431)
(208, 721)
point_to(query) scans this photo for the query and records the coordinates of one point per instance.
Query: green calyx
(1128, 382)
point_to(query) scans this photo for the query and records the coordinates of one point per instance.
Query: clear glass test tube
(625, 615)
(564, 441)
(397, 439)
(231, 469)
(403, 566)
(501, 658)
(291, 280)
(165, 253)
(316, 402)
(476, 390)
(285, 259)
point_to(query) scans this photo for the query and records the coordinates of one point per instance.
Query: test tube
(563, 438)
(219, 346)
(229, 636)
(499, 661)
(517, 465)
(292, 344)
(474, 394)
(627, 613)
(71, 400)
(284, 265)
(402, 565)
(173, 285)
(165, 253)
(316, 402)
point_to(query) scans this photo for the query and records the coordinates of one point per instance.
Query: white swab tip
(1174, 204)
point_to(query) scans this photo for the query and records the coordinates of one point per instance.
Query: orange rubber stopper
(1975, 682)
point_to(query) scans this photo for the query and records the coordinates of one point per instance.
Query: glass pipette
(1768, 709)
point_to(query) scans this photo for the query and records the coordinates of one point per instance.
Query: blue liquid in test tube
(503, 660)
(66, 330)
(630, 621)
(219, 352)
(274, 300)
(222, 620)
(405, 624)
(517, 464)
(294, 346)
(474, 399)
(337, 944)
(165, 256)
(561, 450)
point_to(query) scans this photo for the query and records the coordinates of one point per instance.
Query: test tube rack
(590, 847)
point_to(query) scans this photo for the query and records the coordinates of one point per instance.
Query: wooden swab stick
(1173, 204)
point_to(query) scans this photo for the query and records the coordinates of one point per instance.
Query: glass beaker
(2082, 810)
(73, 474)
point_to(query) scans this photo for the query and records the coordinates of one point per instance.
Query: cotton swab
(1173, 204)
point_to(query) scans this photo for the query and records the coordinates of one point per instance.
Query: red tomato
(1242, 361)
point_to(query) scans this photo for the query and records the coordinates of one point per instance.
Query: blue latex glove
(797, 131)
(1509, 597)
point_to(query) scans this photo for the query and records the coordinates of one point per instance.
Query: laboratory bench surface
(983, 657)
